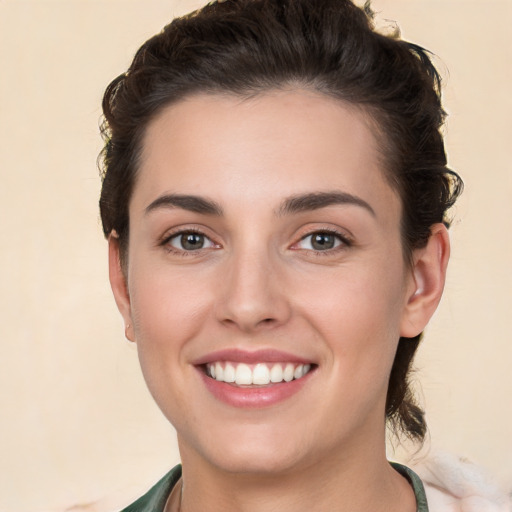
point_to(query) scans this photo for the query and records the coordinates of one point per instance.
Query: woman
(275, 194)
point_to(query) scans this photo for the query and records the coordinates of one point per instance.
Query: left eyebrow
(317, 200)
(191, 203)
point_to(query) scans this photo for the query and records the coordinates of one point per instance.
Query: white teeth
(288, 372)
(260, 374)
(229, 373)
(219, 372)
(276, 373)
(243, 375)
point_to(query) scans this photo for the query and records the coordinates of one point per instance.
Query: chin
(247, 462)
(248, 450)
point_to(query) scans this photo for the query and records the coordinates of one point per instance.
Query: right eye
(190, 241)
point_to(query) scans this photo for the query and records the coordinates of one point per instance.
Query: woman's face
(265, 245)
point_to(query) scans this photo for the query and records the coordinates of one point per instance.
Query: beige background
(76, 420)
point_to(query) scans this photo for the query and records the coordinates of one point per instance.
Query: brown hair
(244, 47)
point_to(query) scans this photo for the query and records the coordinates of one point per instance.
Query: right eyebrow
(191, 203)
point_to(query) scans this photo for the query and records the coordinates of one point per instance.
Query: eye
(321, 241)
(190, 241)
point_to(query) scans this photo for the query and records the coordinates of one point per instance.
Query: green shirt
(155, 499)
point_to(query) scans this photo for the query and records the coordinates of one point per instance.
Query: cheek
(167, 310)
(358, 313)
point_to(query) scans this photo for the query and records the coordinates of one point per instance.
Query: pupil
(322, 241)
(191, 241)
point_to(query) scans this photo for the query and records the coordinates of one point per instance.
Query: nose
(252, 295)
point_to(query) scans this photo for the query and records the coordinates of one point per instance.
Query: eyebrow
(186, 202)
(317, 200)
(294, 204)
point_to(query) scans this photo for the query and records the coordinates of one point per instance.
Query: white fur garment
(454, 484)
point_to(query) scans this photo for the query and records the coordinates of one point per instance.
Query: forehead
(273, 144)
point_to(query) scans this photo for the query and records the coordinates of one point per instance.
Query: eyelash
(344, 242)
(166, 242)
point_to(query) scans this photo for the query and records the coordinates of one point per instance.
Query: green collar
(155, 499)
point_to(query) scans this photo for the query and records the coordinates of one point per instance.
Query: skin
(259, 283)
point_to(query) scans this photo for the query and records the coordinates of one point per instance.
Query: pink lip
(250, 357)
(253, 397)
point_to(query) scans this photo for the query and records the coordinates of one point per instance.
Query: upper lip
(250, 357)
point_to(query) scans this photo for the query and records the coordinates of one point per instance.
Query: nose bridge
(252, 292)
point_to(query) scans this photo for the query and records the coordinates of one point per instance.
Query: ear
(119, 285)
(429, 274)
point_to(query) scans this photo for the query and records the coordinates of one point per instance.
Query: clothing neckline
(156, 498)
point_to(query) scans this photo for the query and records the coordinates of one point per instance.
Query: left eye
(320, 241)
(190, 241)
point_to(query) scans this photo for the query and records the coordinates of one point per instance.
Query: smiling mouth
(259, 374)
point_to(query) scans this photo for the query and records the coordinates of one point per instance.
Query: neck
(333, 483)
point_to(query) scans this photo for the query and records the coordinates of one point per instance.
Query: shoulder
(453, 484)
(156, 498)
(153, 500)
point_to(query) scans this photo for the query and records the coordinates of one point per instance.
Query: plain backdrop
(76, 421)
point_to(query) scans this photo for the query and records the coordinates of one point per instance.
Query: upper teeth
(259, 374)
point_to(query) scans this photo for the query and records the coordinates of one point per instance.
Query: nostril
(267, 322)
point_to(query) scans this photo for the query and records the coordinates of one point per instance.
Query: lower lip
(253, 397)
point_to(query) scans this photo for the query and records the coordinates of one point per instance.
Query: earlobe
(429, 275)
(118, 284)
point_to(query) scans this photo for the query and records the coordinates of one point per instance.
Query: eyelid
(178, 236)
(182, 230)
(344, 239)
